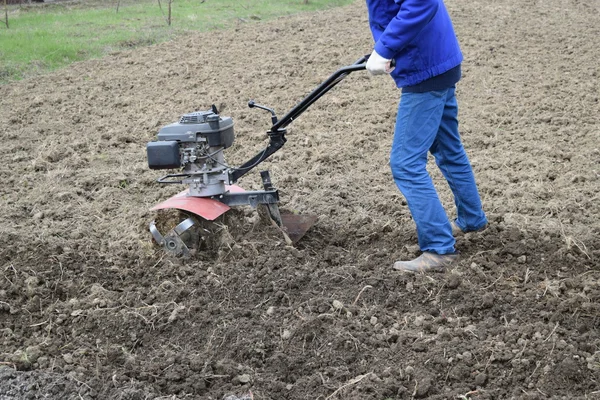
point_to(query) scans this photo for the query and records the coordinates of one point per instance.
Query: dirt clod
(480, 379)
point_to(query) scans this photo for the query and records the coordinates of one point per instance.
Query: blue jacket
(418, 34)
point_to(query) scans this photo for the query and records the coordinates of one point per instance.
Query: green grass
(42, 38)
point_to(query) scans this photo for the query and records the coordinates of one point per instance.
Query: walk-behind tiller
(195, 144)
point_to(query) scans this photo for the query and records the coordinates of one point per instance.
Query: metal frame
(277, 132)
(269, 196)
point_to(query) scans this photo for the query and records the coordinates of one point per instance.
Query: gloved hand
(377, 65)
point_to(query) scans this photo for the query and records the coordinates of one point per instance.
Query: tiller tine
(183, 237)
(296, 226)
(293, 226)
(179, 240)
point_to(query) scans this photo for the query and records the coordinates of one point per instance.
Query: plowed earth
(89, 308)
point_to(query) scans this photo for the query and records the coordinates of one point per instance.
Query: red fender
(202, 206)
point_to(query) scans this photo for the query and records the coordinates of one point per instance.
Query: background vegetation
(43, 37)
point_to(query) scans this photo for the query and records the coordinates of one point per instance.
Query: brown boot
(456, 231)
(427, 262)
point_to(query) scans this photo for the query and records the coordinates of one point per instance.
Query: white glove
(377, 65)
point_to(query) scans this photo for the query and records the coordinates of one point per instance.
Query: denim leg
(452, 160)
(417, 124)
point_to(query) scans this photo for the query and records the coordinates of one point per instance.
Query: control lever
(252, 104)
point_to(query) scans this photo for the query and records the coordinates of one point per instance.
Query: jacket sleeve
(412, 17)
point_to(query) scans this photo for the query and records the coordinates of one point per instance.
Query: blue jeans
(428, 122)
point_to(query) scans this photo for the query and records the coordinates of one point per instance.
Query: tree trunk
(5, 14)
(169, 18)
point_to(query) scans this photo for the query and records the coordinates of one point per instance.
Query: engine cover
(195, 144)
(200, 126)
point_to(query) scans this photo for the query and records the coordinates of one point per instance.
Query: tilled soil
(89, 308)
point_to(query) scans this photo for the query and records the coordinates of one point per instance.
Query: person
(416, 44)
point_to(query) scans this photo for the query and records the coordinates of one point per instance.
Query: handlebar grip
(361, 63)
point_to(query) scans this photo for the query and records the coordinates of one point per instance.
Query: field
(42, 37)
(90, 309)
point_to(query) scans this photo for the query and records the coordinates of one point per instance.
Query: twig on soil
(472, 333)
(359, 293)
(213, 376)
(354, 340)
(351, 382)
(527, 273)
(159, 260)
(537, 365)
(493, 283)
(262, 303)
(440, 291)
(9, 281)
(570, 241)
(142, 317)
(519, 354)
(416, 388)
(573, 241)
(14, 270)
(325, 315)
(82, 383)
(466, 395)
(322, 379)
(9, 363)
(489, 361)
(551, 333)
